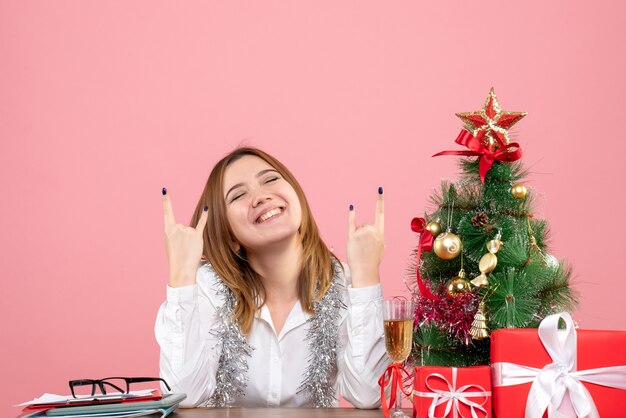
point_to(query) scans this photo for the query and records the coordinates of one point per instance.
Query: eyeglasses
(84, 386)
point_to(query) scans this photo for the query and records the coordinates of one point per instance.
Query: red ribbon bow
(393, 374)
(426, 243)
(488, 155)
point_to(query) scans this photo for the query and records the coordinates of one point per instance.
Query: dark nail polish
(351, 207)
(206, 208)
(380, 190)
(164, 191)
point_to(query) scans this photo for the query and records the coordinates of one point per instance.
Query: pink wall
(104, 102)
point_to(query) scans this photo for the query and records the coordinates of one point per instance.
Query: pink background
(104, 102)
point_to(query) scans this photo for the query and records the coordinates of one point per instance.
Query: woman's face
(261, 206)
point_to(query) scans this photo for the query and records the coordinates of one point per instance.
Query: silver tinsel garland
(230, 379)
(323, 340)
(322, 335)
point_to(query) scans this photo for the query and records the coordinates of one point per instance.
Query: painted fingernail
(351, 207)
(164, 191)
(206, 208)
(380, 190)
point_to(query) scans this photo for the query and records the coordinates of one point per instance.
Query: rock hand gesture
(183, 245)
(366, 245)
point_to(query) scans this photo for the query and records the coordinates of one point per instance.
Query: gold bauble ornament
(458, 285)
(519, 191)
(447, 246)
(434, 227)
(479, 329)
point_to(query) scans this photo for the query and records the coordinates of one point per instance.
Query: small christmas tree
(482, 261)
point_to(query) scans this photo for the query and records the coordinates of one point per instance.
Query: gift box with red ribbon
(463, 392)
(552, 372)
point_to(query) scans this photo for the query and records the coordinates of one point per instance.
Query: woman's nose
(260, 198)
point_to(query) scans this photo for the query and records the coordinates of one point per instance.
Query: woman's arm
(361, 357)
(189, 352)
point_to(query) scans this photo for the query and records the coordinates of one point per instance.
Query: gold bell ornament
(488, 262)
(479, 329)
(458, 285)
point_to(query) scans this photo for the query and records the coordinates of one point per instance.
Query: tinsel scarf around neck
(322, 337)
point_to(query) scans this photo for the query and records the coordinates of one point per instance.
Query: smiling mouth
(269, 215)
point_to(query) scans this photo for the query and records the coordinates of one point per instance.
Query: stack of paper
(119, 405)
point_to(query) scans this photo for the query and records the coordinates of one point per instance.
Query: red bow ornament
(487, 154)
(426, 243)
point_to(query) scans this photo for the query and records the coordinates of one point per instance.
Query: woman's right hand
(183, 245)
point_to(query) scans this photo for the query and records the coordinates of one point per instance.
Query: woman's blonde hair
(229, 260)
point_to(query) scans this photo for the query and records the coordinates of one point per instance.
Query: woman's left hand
(366, 245)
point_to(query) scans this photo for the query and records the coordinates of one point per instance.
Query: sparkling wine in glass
(398, 317)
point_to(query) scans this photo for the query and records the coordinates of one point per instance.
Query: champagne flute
(398, 317)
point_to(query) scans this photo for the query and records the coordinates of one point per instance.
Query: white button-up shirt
(190, 352)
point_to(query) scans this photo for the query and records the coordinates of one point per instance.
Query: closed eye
(236, 197)
(271, 179)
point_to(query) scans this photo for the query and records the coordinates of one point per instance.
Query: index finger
(351, 220)
(379, 220)
(168, 211)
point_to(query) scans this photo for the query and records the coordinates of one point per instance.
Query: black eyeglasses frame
(102, 383)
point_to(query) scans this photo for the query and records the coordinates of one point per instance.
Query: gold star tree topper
(491, 124)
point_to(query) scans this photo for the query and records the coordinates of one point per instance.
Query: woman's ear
(239, 251)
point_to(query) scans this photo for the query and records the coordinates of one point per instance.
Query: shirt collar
(296, 317)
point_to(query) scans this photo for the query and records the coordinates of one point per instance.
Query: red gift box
(558, 365)
(452, 392)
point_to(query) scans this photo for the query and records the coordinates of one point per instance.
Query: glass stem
(398, 408)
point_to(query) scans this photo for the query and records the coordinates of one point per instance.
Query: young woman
(270, 317)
